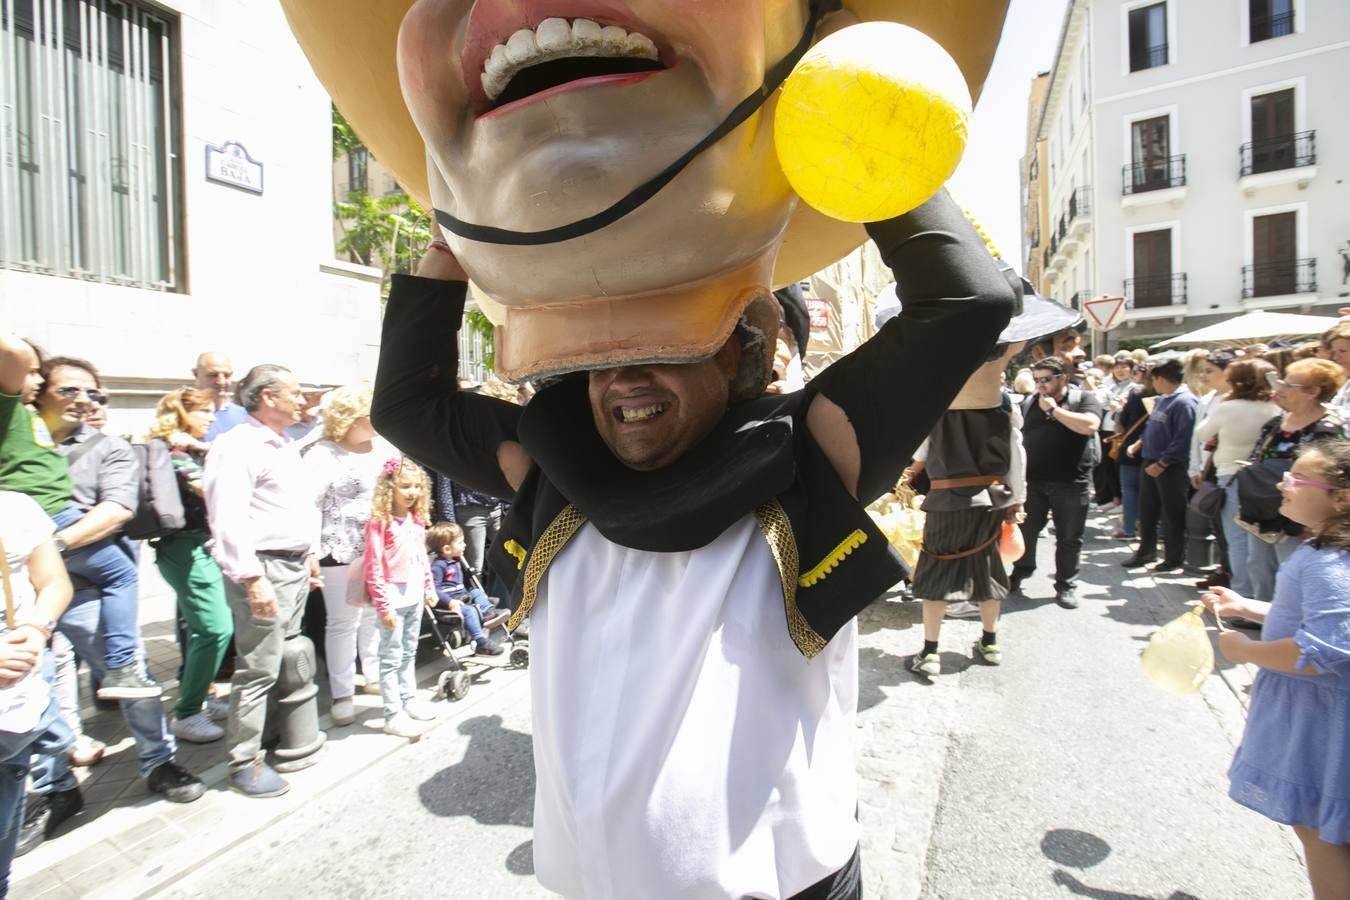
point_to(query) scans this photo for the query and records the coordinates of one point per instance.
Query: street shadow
(877, 669)
(1069, 847)
(493, 784)
(890, 612)
(520, 861)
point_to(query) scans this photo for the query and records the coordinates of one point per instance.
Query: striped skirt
(977, 577)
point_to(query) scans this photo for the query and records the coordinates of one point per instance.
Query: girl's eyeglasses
(1290, 480)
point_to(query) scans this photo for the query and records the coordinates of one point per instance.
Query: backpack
(159, 506)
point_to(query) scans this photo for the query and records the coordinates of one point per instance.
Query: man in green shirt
(29, 461)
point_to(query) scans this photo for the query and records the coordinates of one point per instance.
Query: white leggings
(351, 630)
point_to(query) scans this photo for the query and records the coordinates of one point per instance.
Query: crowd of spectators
(275, 486)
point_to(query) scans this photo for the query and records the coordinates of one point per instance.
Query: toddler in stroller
(454, 593)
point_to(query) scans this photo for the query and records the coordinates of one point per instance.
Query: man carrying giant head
(620, 181)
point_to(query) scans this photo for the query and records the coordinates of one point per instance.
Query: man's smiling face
(539, 113)
(651, 415)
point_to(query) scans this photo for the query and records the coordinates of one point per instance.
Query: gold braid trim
(549, 545)
(516, 551)
(773, 521)
(827, 565)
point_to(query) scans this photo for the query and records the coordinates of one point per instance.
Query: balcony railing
(1062, 229)
(1263, 28)
(1288, 151)
(1276, 279)
(1047, 256)
(1148, 57)
(1155, 290)
(1080, 204)
(1153, 175)
(1076, 301)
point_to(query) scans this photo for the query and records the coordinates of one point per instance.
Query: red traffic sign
(1104, 313)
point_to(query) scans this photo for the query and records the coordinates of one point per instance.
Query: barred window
(90, 179)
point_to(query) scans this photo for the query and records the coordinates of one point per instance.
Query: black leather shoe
(1168, 565)
(1137, 561)
(37, 812)
(175, 783)
(1066, 597)
(65, 805)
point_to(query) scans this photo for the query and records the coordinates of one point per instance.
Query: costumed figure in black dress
(692, 551)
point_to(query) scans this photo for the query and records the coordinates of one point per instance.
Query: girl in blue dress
(1294, 762)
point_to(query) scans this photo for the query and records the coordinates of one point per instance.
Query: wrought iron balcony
(1276, 279)
(1153, 175)
(1288, 151)
(1148, 57)
(1263, 28)
(1076, 301)
(1155, 290)
(1080, 204)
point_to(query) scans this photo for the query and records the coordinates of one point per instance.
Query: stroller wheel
(520, 658)
(453, 685)
(456, 639)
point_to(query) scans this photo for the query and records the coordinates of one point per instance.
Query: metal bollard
(296, 709)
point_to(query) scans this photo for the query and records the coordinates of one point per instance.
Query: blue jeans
(1129, 499)
(16, 751)
(1263, 561)
(474, 606)
(145, 718)
(110, 566)
(398, 658)
(1237, 540)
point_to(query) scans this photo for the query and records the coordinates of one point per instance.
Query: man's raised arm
(873, 407)
(417, 403)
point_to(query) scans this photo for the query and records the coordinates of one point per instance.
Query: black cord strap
(773, 79)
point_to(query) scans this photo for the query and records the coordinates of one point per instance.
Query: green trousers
(184, 563)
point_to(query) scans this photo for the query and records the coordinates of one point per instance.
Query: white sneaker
(217, 709)
(343, 712)
(404, 726)
(198, 729)
(422, 711)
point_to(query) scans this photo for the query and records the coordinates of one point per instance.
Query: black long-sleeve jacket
(760, 459)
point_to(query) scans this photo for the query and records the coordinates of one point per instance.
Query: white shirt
(259, 496)
(1237, 424)
(683, 746)
(23, 526)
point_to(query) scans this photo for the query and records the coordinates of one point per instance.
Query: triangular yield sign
(1104, 313)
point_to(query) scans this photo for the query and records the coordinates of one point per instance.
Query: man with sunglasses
(1060, 435)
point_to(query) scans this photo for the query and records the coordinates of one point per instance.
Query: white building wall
(262, 282)
(1206, 90)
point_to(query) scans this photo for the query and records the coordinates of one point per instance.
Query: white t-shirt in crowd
(23, 526)
(1237, 424)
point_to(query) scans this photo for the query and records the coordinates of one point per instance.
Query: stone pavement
(1062, 773)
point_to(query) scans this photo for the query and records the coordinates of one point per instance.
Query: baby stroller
(448, 629)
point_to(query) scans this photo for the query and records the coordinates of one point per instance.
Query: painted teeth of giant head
(558, 39)
(643, 412)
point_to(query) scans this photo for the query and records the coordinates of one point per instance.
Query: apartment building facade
(1217, 158)
(166, 188)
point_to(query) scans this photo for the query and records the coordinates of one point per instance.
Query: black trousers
(1106, 476)
(1067, 503)
(1163, 497)
(846, 884)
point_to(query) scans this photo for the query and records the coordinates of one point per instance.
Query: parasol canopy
(1253, 327)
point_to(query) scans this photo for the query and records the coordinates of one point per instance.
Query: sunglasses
(1289, 480)
(1047, 379)
(70, 392)
(1276, 384)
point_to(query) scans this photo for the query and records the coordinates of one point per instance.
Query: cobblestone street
(1062, 773)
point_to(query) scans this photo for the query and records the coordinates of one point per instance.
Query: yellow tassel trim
(827, 565)
(549, 545)
(777, 528)
(516, 551)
